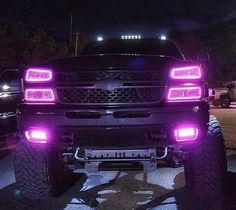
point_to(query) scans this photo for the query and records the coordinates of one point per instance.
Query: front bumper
(113, 128)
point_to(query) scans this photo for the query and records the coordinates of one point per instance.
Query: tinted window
(144, 46)
(9, 76)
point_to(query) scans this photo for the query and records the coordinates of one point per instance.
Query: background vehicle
(224, 96)
(121, 105)
(10, 97)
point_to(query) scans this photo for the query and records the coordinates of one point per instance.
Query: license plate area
(119, 154)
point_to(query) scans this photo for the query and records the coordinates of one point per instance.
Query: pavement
(162, 189)
(227, 119)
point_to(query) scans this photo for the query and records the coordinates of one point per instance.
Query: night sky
(115, 17)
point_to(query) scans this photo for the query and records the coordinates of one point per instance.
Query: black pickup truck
(10, 97)
(120, 105)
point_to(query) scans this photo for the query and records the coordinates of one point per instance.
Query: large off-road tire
(39, 173)
(225, 101)
(206, 165)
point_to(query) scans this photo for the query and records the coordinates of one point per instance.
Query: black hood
(112, 62)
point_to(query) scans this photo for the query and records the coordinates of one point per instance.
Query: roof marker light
(99, 38)
(163, 37)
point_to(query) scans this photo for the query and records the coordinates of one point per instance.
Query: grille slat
(96, 76)
(109, 87)
(116, 96)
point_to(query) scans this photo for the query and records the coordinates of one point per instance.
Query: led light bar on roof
(163, 37)
(129, 36)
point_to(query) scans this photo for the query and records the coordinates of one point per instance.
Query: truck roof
(151, 46)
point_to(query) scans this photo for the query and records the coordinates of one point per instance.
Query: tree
(7, 54)
(21, 46)
(42, 47)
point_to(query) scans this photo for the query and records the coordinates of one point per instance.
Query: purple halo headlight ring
(39, 95)
(37, 136)
(181, 94)
(186, 134)
(188, 72)
(38, 75)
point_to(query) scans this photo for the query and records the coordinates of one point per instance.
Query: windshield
(144, 47)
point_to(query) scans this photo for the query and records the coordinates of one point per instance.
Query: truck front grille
(134, 95)
(70, 78)
(110, 87)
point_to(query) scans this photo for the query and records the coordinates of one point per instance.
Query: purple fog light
(189, 72)
(179, 94)
(38, 75)
(36, 136)
(186, 134)
(39, 95)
